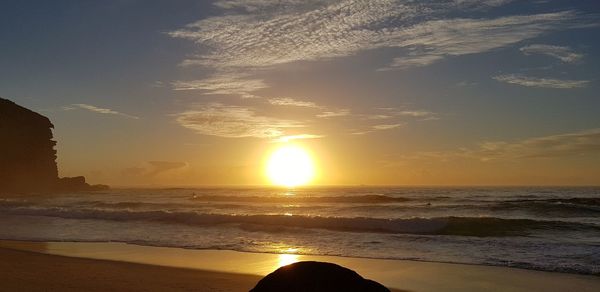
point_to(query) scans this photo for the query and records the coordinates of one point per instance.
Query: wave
(460, 226)
(565, 207)
(373, 199)
(578, 201)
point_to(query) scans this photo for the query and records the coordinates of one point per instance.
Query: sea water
(551, 229)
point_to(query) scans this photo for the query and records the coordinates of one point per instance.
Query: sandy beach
(30, 271)
(67, 266)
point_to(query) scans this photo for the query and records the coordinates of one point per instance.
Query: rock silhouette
(316, 277)
(27, 154)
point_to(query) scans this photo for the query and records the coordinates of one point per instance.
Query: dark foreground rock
(27, 155)
(316, 277)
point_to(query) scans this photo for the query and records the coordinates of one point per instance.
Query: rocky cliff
(27, 155)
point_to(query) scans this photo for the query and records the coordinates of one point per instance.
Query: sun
(290, 166)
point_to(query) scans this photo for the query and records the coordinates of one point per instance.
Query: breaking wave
(460, 226)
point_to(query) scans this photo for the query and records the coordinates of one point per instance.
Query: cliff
(27, 154)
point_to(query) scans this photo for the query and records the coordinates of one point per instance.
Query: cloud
(390, 112)
(466, 84)
(233, 122)
(387, 126)
(286, 101)
(580, 143)
(250, 37)
(235, 84)
(394, 116)
(378, 117)
(562, 145)
(416, 113)
(438, 39)
(99, 110)
(297, 137)
(541, 82)
(256, 5)
(154, 168)
(157, 84)
(284, 32)
(420, 114)
(412, 60)
(564, 54)
(334, 113)
(360, 132)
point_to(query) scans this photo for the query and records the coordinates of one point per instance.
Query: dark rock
(27, 155)
(315, 276)
(66, 184)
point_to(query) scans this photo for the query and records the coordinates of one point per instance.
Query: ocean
(540, 228)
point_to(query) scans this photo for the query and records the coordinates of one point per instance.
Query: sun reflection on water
(287, 259)
(288, 256)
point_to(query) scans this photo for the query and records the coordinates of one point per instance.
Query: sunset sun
(290, 166)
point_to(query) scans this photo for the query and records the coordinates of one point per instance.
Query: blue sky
(383, 92)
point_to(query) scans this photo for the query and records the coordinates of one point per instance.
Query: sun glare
(287, 259)
(290, 166)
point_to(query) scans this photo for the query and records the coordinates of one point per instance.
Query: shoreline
(3, 243)
(395, 274)
(27, 244)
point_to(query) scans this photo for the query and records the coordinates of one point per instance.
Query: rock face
(316, 277)
(27, 155)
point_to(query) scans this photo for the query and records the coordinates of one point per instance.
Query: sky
(380, 92)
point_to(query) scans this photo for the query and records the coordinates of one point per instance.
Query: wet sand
(30, 271)
(72, 266)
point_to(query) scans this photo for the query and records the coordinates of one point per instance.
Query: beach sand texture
(113, 267)
(29, 271)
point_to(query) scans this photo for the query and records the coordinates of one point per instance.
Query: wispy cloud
(360, 132)
(255, 36)
(387, 126)
(234, 122)
(435, 40)
(541, 82)
(393, 117)
(412, 60)
(334, 113)
(580, 143)
(296, 31)
(390, 112)
(378, 117)
(260, 34)
(562, 53)
(286, 101)
(297, 137)
(466, 84)
(416, 113)
(231, 83)
(99, 110)
(569, 144)
(154, 168)
(255, 5)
